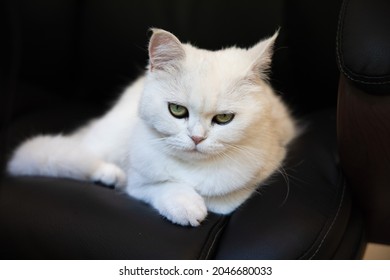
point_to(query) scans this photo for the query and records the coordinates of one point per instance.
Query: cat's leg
(108, 174)
(179, 203)
(63, 156)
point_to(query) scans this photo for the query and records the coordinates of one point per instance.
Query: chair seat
(303, 212)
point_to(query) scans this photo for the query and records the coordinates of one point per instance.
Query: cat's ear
(261, 55)
(165, 50)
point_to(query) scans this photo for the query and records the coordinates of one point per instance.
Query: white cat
(200, 131)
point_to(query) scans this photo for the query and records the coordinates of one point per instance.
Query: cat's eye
(222, 119)
(177, 110)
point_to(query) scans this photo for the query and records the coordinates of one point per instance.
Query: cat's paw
(110, 175)
(184, 208)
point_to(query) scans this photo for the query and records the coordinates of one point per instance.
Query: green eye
(178, 111)
(222, 119)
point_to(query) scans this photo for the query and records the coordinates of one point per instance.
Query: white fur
(151, 154)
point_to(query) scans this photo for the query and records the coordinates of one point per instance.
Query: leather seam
(213, 237)
(340, 206)
(339, 54)
(210, 249)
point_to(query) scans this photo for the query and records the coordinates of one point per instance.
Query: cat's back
(110, 134)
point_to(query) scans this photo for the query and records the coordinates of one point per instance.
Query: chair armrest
(363, 43)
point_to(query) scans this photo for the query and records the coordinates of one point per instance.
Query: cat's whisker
(284, 174)
(160, 139)
(251, 153)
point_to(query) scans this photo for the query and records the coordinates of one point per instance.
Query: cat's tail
(49, 155)
(62, 156)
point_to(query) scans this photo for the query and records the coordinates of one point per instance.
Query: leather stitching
(211, 248)
(332, 224)
(211, 242)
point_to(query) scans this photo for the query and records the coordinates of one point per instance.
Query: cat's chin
(194, 154)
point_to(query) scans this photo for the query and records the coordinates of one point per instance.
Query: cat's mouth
(200, 151)
(187, 151)
(194, 150)
(194, 153)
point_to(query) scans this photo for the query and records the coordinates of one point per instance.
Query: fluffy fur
(181, 166)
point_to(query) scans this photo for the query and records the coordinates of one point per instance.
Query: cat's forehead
(221, 65)
(209, 79)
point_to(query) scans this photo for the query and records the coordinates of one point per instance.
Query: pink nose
(197, 139)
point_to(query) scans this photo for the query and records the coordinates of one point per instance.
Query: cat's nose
(197, 139)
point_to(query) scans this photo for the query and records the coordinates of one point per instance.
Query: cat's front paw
(110, 175)
(184, 208)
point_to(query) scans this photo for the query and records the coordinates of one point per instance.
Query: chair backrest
(87, 51)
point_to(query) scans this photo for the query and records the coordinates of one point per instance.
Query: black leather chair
(64, 62)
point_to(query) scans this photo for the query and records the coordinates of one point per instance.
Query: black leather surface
(363, 44)
(44, 218)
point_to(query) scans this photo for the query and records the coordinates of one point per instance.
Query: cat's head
(202, 104)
